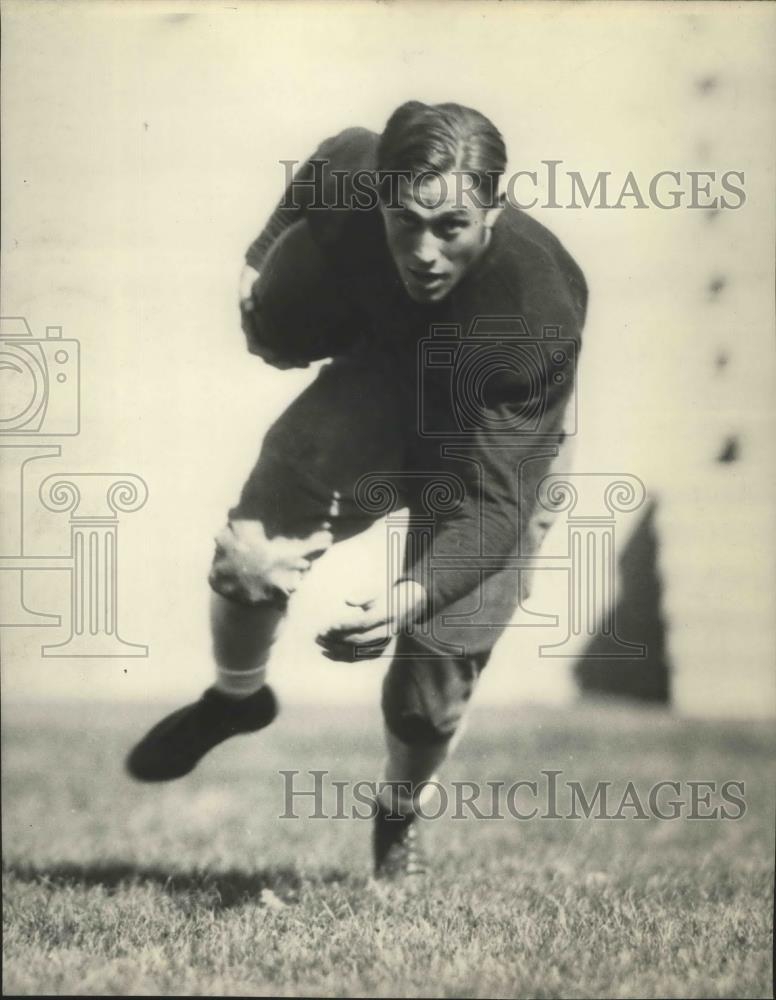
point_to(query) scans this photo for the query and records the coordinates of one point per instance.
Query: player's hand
(367, 625)
(248, 277)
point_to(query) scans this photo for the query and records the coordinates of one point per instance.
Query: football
(298, 313)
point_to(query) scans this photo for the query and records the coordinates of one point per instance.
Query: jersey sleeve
(492, 520)
(467, 544)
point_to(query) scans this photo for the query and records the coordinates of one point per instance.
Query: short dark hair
(441, 138)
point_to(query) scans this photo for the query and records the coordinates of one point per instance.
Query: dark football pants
(348, 424)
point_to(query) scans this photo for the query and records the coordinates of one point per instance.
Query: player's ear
(495, 211)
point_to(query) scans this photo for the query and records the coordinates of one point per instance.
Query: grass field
(116, 888)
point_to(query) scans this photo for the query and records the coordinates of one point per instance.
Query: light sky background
(140, 157)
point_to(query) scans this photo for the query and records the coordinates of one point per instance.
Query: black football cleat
(176, 745)
(397, 847)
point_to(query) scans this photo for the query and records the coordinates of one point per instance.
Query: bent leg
(425, 699)
(253, 577)
(297, 501)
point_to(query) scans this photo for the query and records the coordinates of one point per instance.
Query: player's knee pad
(418, 724)
(226, 581)
(241, 570)
(416, 729)
(426, 696)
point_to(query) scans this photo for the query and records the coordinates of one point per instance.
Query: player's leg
(297, 501)
(427, 687)
(254, 573)
(261, 559)
(426, 693)
(242, 637)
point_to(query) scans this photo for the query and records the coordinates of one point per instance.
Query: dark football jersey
(486, 374)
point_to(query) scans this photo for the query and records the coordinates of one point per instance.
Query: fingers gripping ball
(250, 568)
(297, 310)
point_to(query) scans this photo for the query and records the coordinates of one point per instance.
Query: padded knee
(425, 696)
(251, 568)
(418, 729)
(420, 715)
(226, 579)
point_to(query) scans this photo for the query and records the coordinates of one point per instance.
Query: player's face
(435, 232)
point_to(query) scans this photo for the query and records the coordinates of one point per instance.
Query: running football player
(453, 320)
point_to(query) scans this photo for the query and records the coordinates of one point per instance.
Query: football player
(453, 322)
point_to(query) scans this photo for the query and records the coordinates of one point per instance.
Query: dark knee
(425, 697)
(415, 729)
(419, 724)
